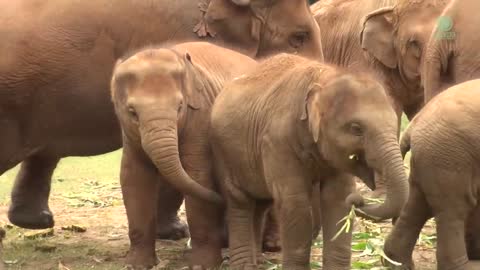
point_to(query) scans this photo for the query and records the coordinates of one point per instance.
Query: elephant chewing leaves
(287, 125)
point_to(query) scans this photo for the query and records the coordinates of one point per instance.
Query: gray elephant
(57, 61)
(453, 51)
(291, 123)
(444, 181)
(157, 94)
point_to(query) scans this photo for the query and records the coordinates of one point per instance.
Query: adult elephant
(57, 60)
(395, 39)
(453, 51)
(385, 37)
(365, 36)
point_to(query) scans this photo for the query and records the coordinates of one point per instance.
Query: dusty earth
(86, 193)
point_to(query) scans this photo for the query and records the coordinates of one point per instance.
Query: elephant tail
(405, 140)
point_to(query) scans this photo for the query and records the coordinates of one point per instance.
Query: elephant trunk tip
(362, 209)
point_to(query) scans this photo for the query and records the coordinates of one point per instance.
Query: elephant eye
(298, 39)
(356, 129)
(133, 114)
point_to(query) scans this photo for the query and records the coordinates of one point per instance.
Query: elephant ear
(376, 36)
(311, 112)
(190, 86)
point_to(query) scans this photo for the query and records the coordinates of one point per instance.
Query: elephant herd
(260, 113)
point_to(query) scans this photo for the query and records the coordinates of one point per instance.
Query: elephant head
(355, 130)
(266, 27)
(396, 37)
(452, 54)
(152, 92)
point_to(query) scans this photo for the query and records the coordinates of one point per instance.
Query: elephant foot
(403, 265)
(261, 259)
(271, 241)
(140, 260)
(173, 230)
(28, 217)
(204, 257)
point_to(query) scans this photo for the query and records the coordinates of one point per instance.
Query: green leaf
(359, 246)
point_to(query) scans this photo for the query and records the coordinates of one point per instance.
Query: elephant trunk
(389, 163)
(435, 69)
(160, 142)
(432, 71)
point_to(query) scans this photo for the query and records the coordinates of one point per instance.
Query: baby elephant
(289, 124)
(163, 98)
(444, 180)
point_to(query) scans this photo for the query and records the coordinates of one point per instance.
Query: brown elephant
(357, 34)
(57, 61)
(288, 124)
(395, 38)
(452, 53)
(444, 180)
(157, 94)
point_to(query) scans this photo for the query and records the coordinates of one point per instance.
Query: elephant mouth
(362, 170)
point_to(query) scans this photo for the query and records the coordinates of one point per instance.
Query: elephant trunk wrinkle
(392, 169)
(160, 142)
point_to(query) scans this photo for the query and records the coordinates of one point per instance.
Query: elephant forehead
(160, 61)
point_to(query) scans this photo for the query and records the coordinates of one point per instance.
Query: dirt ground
(86, 193)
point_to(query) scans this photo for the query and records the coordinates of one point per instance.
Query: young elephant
(157, 94)
(291, 123)
(444, 180)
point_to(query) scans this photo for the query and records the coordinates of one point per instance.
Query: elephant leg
(451, 247)
(271, 234)
(451, 200)
(139, 181)
(261, 210)
(169, 226)
(241, 231)
(316, 210)
(295, 215)
(291, 192)
(204, 219)
(205, 225)
(29, 208)
(472, 236)
(336, 254)
(401, 241)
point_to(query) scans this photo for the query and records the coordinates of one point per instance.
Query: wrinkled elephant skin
(162, 98)
(444, 181)
(313, 124)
